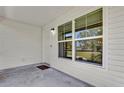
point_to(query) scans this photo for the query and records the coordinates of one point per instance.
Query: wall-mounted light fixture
(52, 30)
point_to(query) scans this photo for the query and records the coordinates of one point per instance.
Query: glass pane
(61, 33)
(65, 49)
(68, 31)
(94, 31)
(89, 50)
(65, 31)
(81, 34)
(91, 27)
(89, 32)
(80, 23)
(94, 17)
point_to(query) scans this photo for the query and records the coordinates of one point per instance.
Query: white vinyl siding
(116, 39)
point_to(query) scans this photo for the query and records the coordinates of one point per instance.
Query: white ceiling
(36, 15)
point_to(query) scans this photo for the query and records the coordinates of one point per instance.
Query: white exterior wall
(112, 73)
(116, 39)
(20, 44)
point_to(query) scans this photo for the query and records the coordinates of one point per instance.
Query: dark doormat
(43, 67)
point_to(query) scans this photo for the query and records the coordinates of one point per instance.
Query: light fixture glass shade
(52, 30)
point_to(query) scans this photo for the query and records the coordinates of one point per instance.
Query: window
(87, 40)
(65, 49)
(89, 50)
(65, 31)
(65, 40)
(89, 25)
(88, 37)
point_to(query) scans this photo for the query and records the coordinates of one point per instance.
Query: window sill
(63, 58)
(82, 62)
(90, 64)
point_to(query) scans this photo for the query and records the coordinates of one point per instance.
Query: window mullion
(73, 40)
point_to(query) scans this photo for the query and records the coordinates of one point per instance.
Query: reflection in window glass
(65, 49)
(88, 46)
(89, 32)
(89, 50)
(80, 23)
(60, 33)
(89, 25)
(81, 34)
(94, 17)
(94, 31)
(65, 31)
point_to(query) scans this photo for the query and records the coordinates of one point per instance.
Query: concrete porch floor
(31, 76)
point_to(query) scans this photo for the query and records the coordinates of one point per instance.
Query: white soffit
(36, 15)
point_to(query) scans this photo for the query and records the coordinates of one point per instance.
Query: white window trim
(73, 40)
(65, 40)
(104, 37)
